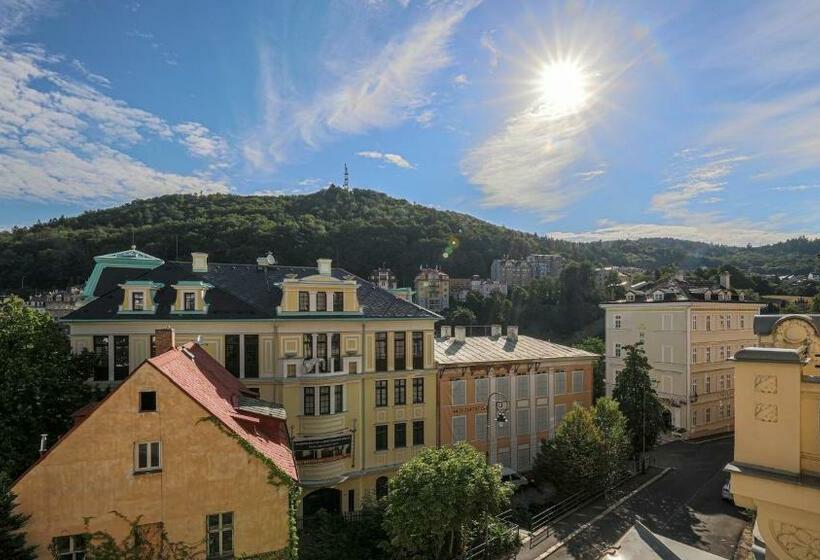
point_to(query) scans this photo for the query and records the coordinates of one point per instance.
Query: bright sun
(564, 88)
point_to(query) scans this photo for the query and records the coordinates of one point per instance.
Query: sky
(582, 120)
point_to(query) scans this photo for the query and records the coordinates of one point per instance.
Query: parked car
(513, 477)
(726, 492)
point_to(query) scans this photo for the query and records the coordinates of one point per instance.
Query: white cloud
(461, 80)
(15, 14)
(394, 159)
(488, 44)
(797, 188)
(62, 139)
(590, 175)
(425, 118)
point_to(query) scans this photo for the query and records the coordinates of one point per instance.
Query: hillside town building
(383, 278)
(460, 287)
(352, 364)
(537, 383)
(520, 272)
(56, 303)
(161, 450)
(433, 289)
(776, 465)
(689, 332)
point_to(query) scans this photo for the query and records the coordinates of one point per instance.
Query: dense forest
(359, 229)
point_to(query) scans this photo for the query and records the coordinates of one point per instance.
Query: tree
(12, 538)
(332, 536)
(460, 316)
(596, 345)
(616, 438)
(815, 304)
(638, 400)
(440, 499)
(41, 383)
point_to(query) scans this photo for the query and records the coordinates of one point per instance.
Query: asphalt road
(684, 505)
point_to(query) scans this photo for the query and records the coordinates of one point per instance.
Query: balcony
(324, 473)
(323, 461)
(323, 424)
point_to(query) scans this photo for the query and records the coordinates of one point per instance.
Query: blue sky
(594, 120)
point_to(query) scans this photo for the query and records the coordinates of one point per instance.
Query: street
(684, 505)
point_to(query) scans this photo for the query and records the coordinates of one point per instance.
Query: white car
(513, 477)
(726, 492)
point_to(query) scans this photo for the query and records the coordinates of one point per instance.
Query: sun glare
(564, 88)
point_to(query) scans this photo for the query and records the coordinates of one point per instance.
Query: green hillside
(359, 229)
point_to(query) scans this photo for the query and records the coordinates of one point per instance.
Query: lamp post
(502, 405)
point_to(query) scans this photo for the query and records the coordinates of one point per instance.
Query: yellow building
(689, 332)
(161, 448)
(776, 467)
(352, 364)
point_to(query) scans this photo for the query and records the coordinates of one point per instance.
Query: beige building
(537, 382)
(433, 289)
(352, 364)
(689, 332)
(167, 448)
(776, 467)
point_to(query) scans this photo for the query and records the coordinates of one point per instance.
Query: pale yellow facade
(91, 473)
(776, 466)
(689, 345)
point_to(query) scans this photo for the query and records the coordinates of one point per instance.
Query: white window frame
(618, 350)
(617, 321)
(694, 355)
(707, 384)
(694, 322)
(149, 455)
(222, 528)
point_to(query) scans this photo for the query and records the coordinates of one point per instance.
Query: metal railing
(486, 549)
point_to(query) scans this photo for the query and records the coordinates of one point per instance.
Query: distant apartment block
(689, 332)
(383, 278)
(520, 272)
(56, 303)
(537, 383)
(545, 266)
(460, 287)
(433, 289)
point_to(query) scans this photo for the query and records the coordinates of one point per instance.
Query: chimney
(495, 330)
(324, 266)
(461, 333)
(199, 262)
(512, 332)
(726, 279)
(446, 331)
(166, 340)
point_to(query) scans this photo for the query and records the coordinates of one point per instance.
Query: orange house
(532, 382)
(180, 445)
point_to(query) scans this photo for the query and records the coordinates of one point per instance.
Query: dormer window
(338, 301)
(138, 301)
(189, 301)
(707, 295)
(321, 301)
(190, 296)
(657, 296)
(630, 297)
(139, 296)
(304, 301)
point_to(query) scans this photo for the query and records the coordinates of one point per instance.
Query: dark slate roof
(680, 290)
(781, 355)
(240, 291)
(764, 324)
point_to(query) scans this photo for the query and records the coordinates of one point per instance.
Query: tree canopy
(12, 525)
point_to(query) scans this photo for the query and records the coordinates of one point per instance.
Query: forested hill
(359, 229)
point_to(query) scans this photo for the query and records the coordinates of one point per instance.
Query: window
(721, 383)
(708, 387)
(694, 418)
(728, 322)
(324, 399)
(381, 487)
(418, 350)
(502, 385)
(542, 418)
(560, 412)
(399, 347)
(728, 410)
(708, 414)
(400, 391)
(70, 547)
(338, 301)
(148, 401)
(523, 459)
(577, 381)
(321, 352)
(153, 345)
(188, 301)
(482, 389)
(309, 401)
(321, 301)
(630, 296)
(694, 355)
(336, 351)
(148, 457)
(381, 393)
(338, 399)
(542, 385)
(742, 321)
(728, 351)
(381, 437)
(121, 369)
(458, 390)
(418, 390)
(220, 534)
(352, 367)
(101, 353)
(522, 386)
(617, 350)
(708, 322)
(618, 321)
(304, 301)
(694, 386)
(481, 427)
(666, 354)
(694, 323)
(137, 301)
(381, 351)
(232, 353)
(252, 355)
(722, 353)
(522, 421)
(657, 296)
(708, 354)
(307, 346)
(729, 380)
(722, 322)
(561, 382)
(459, 428)
(400, 435)
(418, 432)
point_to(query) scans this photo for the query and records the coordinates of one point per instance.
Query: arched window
(381, 487)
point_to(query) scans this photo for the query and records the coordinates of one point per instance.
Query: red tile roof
(207, 382)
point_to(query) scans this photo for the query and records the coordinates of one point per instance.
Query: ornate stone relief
(766, 384)
(797, 542)
(766, 412)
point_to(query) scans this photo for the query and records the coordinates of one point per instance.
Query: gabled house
(179, 445)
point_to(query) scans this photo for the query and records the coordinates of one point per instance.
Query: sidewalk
(567, 528)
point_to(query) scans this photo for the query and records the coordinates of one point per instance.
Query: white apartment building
(689, 331)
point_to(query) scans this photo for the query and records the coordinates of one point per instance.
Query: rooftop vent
(446, 331)
(324, 266)
(461, 333)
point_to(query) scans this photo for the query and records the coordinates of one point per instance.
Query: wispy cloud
(16, 14)
(388, 88)
(201, 142)
(393, 159)
(487, 42)
(797, 188)
(461, 80)
(590, 175)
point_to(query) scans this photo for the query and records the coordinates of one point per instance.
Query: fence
(488, 549)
